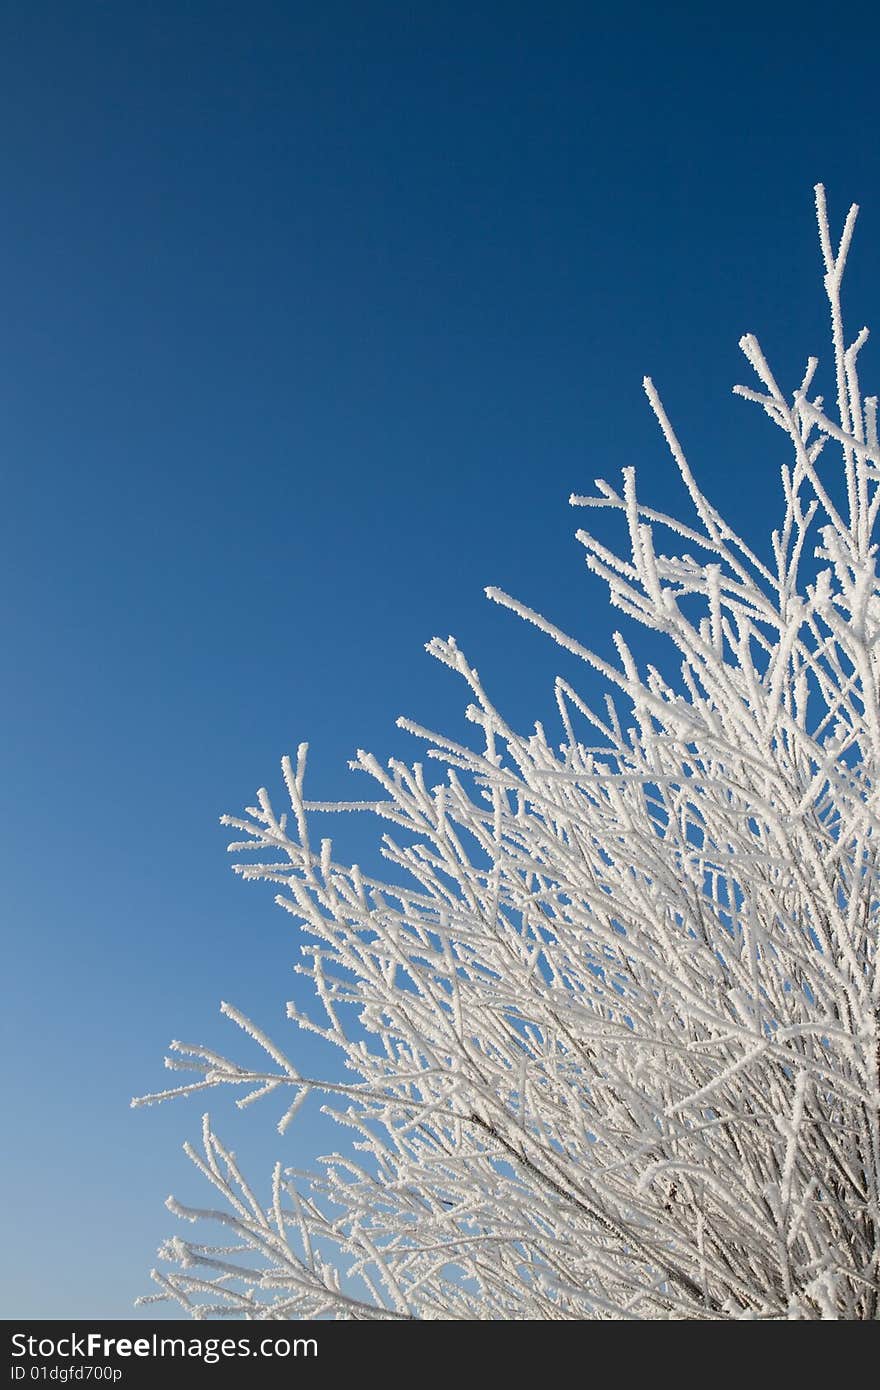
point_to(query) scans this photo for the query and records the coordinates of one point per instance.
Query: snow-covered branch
(613, 1023)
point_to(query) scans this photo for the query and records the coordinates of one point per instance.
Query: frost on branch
(612, 1028)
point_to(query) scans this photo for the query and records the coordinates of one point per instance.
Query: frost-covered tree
(612, 1028)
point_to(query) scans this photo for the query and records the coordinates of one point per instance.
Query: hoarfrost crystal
(614, 1050)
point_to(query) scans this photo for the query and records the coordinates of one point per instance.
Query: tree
(614, 1032)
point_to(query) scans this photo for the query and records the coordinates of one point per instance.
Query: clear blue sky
(313, 315)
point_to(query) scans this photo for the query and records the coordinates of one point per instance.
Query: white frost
(612, 1026)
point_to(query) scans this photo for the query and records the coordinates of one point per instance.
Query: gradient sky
(313, 315)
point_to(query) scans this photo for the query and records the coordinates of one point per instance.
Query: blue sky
(312, 318)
